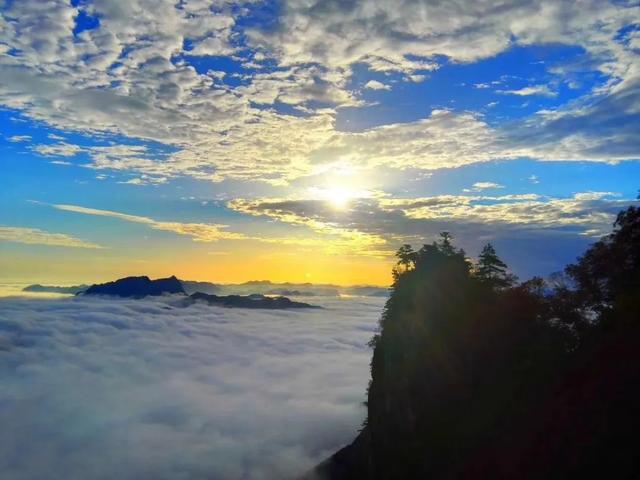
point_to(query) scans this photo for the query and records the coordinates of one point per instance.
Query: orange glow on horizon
(66, 268)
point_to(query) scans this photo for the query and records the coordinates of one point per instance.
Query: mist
(141, 389)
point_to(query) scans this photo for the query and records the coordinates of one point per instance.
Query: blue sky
(307, 140)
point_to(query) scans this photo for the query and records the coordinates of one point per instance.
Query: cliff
(477, 377)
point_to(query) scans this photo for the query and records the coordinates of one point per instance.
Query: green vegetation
(477, 376)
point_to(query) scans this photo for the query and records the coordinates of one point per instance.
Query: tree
(492, 270)
(406, 257)
(446, 245)
(610, 269)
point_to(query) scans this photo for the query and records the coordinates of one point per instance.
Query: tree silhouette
(610, 270)
(492, 270)
(446, 243)
(406, 257)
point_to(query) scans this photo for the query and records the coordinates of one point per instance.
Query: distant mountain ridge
(72, 290)
(137, 287)
(249, 301)
(266, 287)
(262, 287)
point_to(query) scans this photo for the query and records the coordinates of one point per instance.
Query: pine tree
(406, 257)
(492, 270)
(446, 244)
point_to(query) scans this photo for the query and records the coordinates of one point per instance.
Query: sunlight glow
(339, 197)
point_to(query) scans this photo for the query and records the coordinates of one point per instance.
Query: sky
(305, 140)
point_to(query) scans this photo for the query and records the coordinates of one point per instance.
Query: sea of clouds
(96, 388)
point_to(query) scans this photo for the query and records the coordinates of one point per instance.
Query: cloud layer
(527, 221)
(397, 217)
(131, 69)
(141, 390)
(35, 236)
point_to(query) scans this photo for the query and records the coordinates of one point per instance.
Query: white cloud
(200, 232)
(58, 149)
(376, 85)
(35, 236)
(479, 186)
(542, 90)
(19, 138)
(339, 34)
(142, 390)
(444, 139)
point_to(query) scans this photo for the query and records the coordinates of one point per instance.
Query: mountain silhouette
(137, 287)
(248, 301)
(73, 290)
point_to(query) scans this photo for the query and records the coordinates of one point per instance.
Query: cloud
(145, 180)
(58, 149)
(375, 215)
(376, 85)
(141, 390)
(133, 75)
(443, 139)
(542, 90)
(19, 138)
(342, 237)
(510, 220)
(325, 237)
(199, 232)
(35, 236)
(479, 186)
(597, 128)
(403, 33)
(586, 210)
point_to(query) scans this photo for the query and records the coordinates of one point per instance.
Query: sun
(339, 197)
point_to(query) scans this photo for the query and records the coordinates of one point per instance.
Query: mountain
(475, 376)
(266, 287)
(248, 301)
(367, 291)
(263, 287)
(191, 286)
(72, 290)
(137, 287)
